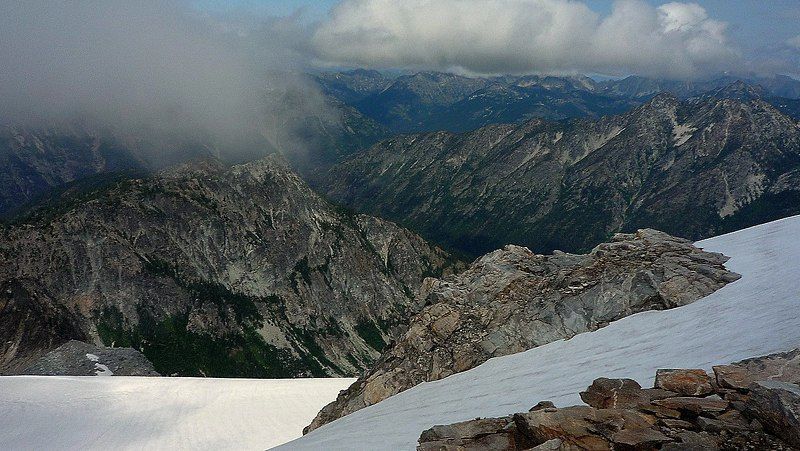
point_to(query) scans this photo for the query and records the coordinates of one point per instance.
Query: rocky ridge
(211, 270)
(754, 404)
(512, 300)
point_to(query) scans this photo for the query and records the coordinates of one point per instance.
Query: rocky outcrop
(692, 168)
(76, 358)
(512, 300)
(623, 416)
(212, 270)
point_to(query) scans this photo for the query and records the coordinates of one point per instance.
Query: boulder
(580, 426)
(479, 434)
(783, 367)
(696, 406)
(541, 405)
(777, 407)
(639, 439)
(614, 394)
(684, 382)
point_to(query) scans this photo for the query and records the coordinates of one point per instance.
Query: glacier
(87, 413)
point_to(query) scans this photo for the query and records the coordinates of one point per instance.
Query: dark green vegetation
(371, 334)
(177, 351)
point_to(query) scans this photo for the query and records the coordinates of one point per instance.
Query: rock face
(35, 161)
(76, 358)
(710, 420)
(210, 270)
(512, 300)
(692, 168)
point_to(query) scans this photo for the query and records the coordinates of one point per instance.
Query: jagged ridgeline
(694, 168)
(211, 270)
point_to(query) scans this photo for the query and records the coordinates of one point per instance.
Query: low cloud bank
(676, 40)
(147, 65)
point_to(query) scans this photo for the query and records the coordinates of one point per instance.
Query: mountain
(430, 101)
(753, 316)
(511, 300)
(411, 100)
(691, 168)
(637, 87)
(546, 97)
(210, 270)
(33, 162)
(352, 86)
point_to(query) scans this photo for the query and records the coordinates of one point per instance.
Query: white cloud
(794, 42)
(515, 36)
(146, 64)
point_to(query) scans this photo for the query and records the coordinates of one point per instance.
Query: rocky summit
(621, 415)
(693, 168)
(76, 358)
(211, 270)
(512, 300)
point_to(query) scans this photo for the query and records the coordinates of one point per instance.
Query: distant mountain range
(692, 168)
(429, 101)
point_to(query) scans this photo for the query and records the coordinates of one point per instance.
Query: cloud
(525, 36)
(794, 42)
(144, 64)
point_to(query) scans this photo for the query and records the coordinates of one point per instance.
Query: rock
(478, 434)
(555, 444)
(717, 425)
(697, 406)
(580, 426)
(693, 441)
(511, 300)
(769, 419)
(657, 393)
(779, 367)
(776, 405)
(673, 423)
(660, 411)
(684, 382)
(541, 405)
(614, 393)
(639, 438)
(76, 358)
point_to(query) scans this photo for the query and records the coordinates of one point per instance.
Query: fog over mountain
(162, 66)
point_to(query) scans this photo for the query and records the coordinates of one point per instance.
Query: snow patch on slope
(754, 316)
(49, 412)
(100, 369)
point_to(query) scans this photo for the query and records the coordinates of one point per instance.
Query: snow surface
(99, 368)
(45, 412)
(757, 315)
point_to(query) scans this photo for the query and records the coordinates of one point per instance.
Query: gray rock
(76, 358)
(784, 367)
